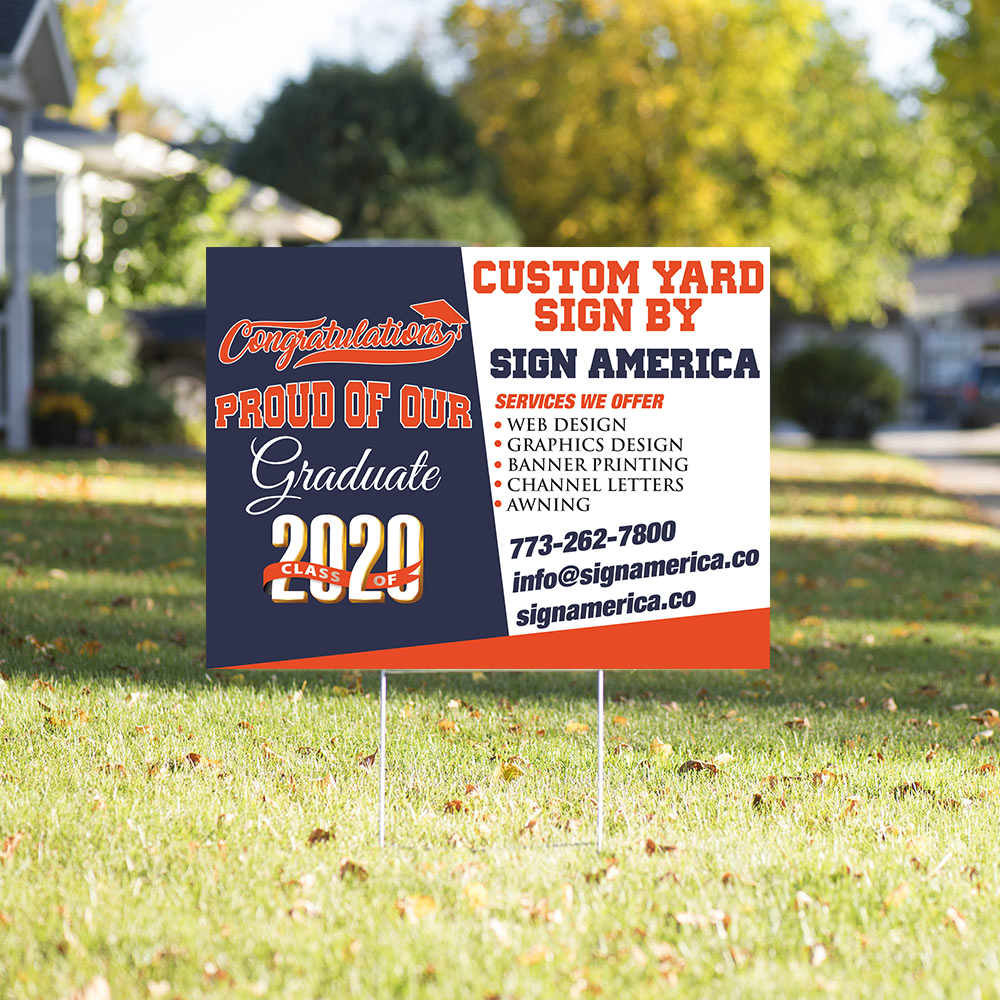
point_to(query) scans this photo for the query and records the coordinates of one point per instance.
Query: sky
(212, 62)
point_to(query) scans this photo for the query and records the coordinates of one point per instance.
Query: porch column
(20, 361)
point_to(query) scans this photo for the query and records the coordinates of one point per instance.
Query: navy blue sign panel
(305, 322)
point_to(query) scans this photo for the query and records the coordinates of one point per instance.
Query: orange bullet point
(497, 443)
(498, 424)
(496, 465)
(497, 504)
(498, 483)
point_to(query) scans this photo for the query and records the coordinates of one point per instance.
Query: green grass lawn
(193, 835)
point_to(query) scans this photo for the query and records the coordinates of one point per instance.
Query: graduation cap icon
(439, 309)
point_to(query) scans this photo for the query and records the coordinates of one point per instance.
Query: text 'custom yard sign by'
(444, 458)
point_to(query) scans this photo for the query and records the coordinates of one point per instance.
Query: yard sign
(470, 458)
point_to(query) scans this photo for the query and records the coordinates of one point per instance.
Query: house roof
(959, 281)
(13, 16)
(122, 160)
(35, 67)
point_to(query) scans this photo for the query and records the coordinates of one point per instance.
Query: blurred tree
(154, 243)
(386, 153)
(93, 37)
(658, 122)
(968, 61)
(91, 28)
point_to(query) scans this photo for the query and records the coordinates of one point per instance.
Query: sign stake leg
(381, 764)
(600, 759)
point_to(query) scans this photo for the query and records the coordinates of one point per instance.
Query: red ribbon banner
(339, 577)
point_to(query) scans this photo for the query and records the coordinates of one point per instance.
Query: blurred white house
(57, 176)
(72, 170)
(951, 318)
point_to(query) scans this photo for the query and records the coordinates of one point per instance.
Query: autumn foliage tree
(968, 61)
(710, 122)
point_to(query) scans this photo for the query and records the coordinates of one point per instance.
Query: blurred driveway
(966, 463)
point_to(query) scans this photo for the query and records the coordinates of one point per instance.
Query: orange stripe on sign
(734, 640)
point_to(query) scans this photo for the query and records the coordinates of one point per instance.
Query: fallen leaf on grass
(988, 768)
(714, 918)
(476, 895)
(620, 720)
(539, 953)
(147, 646)
(817, 954)
(576, 727)
(134, 697)
(214, 973)
(910, 788)
(954, 803)
(897, 896)
(90, 647)
(298, 694)
(988, 717)
(824, 777)
(759, 802)
(607, 869)
(319, 836)
(660, 749)
(96, 989)
(850, 806)
(654, 848)
(414, 908)
(955, 918)
(10, 846)
(499, 931)
(802, 901)
(889, 705)
(303, 908)
(799, 723)
(351, 869)
(698, 765)
(273, 754)
(454, 806)
(367, 763)
(447, 726)
(511, 769)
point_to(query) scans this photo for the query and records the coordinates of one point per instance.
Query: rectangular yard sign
(471, 458)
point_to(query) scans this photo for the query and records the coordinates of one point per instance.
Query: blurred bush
(59, 417)
(72, 410)
(70, 340)
(89, 388)
(837, 392)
